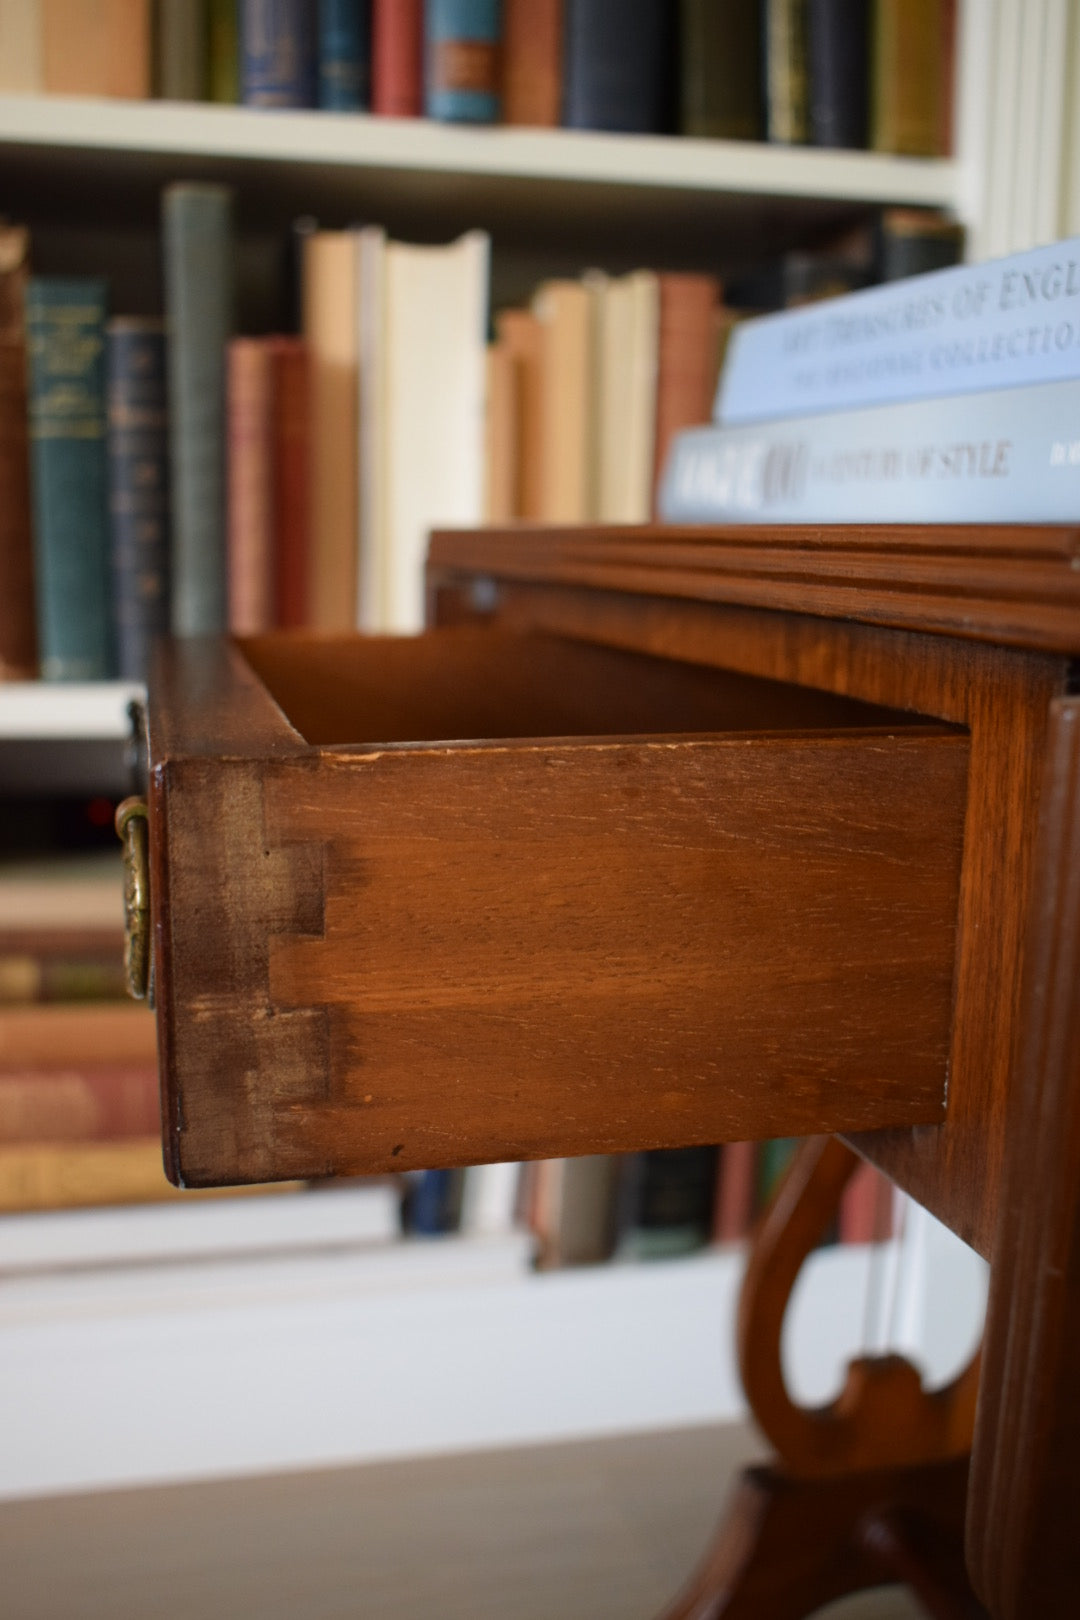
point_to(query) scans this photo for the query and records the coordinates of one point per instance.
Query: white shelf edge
(359, 141)
(47, 711)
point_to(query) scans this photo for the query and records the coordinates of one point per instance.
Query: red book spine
(250, 528)
(532, 62)
(685, 369)
(866, 1207)
(290, 387)
(79, 1105)
(733, 1214)
(397, 54)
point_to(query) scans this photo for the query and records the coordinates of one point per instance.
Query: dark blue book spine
(277, 53)
(462, 75)
(344, 55)
(617, 65)
(838, 42)
(196, 222)
(138, 489)
(65, 326)
(434, 1203)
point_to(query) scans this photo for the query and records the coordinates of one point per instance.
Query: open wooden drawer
(482, 895)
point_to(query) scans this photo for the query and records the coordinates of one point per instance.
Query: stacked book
(950, 398)
(849, 73)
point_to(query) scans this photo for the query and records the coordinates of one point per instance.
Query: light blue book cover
(1010, 456)
(1004, 324)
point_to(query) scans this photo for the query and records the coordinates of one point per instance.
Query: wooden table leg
(865, 1492)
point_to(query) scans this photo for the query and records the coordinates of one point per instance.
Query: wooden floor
(594, 1531)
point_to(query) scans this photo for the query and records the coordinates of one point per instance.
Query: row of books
(637, 1206)
(849, 73)
(952, 398)
(201, 480)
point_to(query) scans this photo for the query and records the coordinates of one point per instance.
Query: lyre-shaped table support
(866, 1491)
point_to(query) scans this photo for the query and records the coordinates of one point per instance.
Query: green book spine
(65, 323)
(197, 232)
(224, 58)
(181, 30)
(720, 57)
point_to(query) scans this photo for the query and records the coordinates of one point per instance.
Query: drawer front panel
(378, 960)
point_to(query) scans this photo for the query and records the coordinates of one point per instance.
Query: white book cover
(371, 457)
(489, 1199)
(629, 343)
(436, 315)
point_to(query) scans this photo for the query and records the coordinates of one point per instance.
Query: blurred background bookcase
(86, 176)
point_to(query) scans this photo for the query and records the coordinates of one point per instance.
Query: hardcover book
(397, 54)
(1006, 323)
(250, 485)
(787, 83)
(462, 71)
(138, 451)
(344, 55)
(1009, 456)
(617, 65)
(278, 53)
(197, 232)
(720, 69)
(532, 61)
(838, 53)
(65, 321)
(181, 50)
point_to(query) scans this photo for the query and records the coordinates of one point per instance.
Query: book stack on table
(951, 398)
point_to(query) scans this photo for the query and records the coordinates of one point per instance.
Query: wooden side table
(658, 837)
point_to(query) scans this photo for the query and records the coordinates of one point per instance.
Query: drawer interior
(469, 683)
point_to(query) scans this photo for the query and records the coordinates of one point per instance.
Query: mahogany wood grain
(1014, 585)
(1001, 694)
(1023, 1542)
(380, 957)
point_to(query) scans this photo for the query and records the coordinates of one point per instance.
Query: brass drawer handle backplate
(131, 825)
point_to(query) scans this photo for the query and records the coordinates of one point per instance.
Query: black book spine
(838, 41)
(618, 65)
(137, 419)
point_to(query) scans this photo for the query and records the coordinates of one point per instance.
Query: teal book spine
(462, 74)
(344, 55)
(65, 326)
(197, 230)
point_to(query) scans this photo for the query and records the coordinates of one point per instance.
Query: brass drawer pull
(131, 826)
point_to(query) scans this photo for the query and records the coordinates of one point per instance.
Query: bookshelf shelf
(565, 157)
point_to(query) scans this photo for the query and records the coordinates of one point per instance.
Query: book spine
(344, 55)
(77, 1105)
(866, 1207)
(532, 62)
(908, 95)
(733, 1213)
(82, 1175)
(278, 53)
(787, 88)
(290, 389)
(26, 976)
(720, 65)
(839, 66)
(462, 70)
(1012, 456)
(66, 388)
(916, 241)
(21, 67)
(59, 1037)
(685, 369)
(1007, 323)
(617, 65)
(330, 329)
(196, 221)
(138, 489)
(223, 55)
(128, 33)
(250, 486)
(181, 51)
(667, 1203)
(397, 58)
(18, 639)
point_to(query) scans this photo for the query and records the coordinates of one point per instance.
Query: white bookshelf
(564, 158)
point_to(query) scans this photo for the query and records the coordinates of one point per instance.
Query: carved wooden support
(868, 1490)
